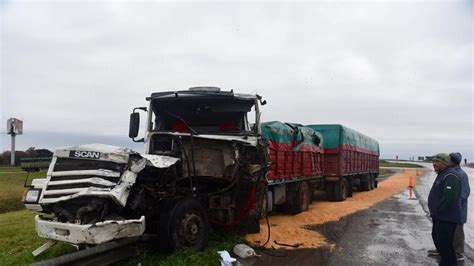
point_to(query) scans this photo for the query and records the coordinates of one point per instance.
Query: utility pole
(12, 154)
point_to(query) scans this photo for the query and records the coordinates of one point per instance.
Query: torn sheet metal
(89, 233)
(116, 190)
(160, 161)
(92, 180)
(99, 172)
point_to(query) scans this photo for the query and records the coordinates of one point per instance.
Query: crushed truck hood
(99, 179)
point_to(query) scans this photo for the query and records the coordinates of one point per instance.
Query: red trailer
(296, 162)
(351, 159)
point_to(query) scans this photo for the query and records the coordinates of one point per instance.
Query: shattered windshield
(202, 116)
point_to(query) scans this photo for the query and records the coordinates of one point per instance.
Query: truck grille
(75, 176)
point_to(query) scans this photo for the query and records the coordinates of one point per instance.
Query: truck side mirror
(134, 125)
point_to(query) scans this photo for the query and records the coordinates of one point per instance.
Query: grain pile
(289, 229)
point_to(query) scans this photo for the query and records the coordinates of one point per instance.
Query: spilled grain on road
(289, 229)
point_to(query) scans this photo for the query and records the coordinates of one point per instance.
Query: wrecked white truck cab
(204, 164)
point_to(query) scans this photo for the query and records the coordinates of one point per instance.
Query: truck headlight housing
(32, 195)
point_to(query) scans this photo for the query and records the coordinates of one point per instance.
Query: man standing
(456, 159)
(444, 203)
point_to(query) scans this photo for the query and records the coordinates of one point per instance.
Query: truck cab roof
(202, 92)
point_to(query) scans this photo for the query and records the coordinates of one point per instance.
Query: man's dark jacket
(444, 200)
(465, 191)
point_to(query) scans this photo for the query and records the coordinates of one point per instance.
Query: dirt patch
(299, 230)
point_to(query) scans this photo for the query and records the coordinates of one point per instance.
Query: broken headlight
(32, 195)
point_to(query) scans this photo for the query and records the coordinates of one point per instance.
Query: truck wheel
(371, 182)
(376, 182)
(184, 223)
(340, 190)
(365, 183)
(304, 197)
(297, 199)
(330, 191)
(350, 187)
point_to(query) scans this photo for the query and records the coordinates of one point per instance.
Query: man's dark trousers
(443, 236)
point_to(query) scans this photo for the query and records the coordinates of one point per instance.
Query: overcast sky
(400, 72)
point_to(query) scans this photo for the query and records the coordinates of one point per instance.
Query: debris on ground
(244, 251)
(226, 259)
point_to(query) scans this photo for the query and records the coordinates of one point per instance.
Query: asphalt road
(396, 231)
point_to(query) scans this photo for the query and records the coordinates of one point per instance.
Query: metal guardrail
(103, 254)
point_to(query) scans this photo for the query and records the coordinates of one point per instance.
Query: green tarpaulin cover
(295, 136)
(337, 135)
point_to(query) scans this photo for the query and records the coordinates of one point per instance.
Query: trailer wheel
(330, 191)
(376, 182)
(298, 198)
(366, 183)
(340, 190)
(372, 182)
(304, 197)
(184, 224)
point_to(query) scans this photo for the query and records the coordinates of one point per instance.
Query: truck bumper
(89, 233)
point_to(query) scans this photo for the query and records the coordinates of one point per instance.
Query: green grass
(11, 188)
(383, 171)
(18, 239)
(220, 240)
(10, 169)
(384, 163)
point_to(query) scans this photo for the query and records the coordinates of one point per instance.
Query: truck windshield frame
(202, 114)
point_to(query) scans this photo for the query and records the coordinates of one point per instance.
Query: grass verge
(384, 171)
(18, 239)
(384, 163)
(11, 188)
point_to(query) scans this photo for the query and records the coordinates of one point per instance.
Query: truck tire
(365, 183)
(298, 198)
(304, 196)
(340, 190)
(184, 224)
(372, 181)
(330, 191)
(376, 182)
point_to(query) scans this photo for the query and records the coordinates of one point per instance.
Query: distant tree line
(31, 152)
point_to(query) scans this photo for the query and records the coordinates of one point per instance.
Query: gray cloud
(400, 72)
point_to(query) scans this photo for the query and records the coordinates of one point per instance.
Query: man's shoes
(433, 253)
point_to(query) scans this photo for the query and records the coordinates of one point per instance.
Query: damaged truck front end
(204, 164)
